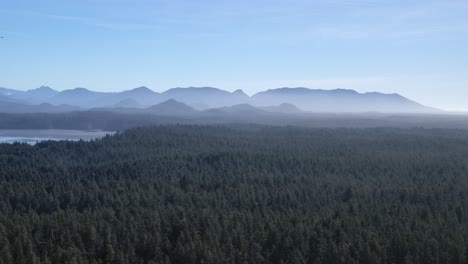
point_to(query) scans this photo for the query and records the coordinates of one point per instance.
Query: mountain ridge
(204, 98)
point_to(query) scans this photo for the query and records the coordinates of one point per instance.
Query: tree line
(247, 194)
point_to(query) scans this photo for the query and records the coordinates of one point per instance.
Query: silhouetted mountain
(32, 96)
(283, 100)
(90, 99)
(237, 109)
(127, 103)
(244, 108)
(10, 95)
(12, 107)
(37, 95)
(80, 97)
(338, 100)
(283, 108)
(45, 107)
(207, 96)
(8, 92)
(171, 108)
(139, 91)
(142, 95)
(240, 93)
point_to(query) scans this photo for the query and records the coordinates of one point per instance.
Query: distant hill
(9, 95)
(138, 92)
(142, 96)
(338, 100)
(9, 92)
(38, 95)
(12, 107)
(127, 103)
(89, 99)
(281, 100)
(207, 96)
(236, 109)
(171, 108)
(78, 96)
(168, 108)
(283, 108)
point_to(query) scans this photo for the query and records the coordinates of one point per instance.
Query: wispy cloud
(394, 19)
(299, 20)
(379, 32)
(332, 19)
(102, 23)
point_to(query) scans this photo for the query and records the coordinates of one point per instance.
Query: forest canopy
(246, 194)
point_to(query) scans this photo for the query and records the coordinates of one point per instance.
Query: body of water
(32, 136)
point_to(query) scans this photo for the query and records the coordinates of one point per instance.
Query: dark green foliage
(113, 121)
(194, 194)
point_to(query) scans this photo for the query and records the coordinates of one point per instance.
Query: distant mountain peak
(171, 107)
(195, 89)
(139, 92)
(244, 107)
(141, 89)
(208, 96)
(239, 92)
(309, 90)
(80, 89)
(288, 89)
(43, 89)
(171, 101)
(344, 91)
(283, 108)
(203, 87)
(338, 100)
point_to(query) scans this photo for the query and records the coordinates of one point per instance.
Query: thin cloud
(104, 23)
(107, 24)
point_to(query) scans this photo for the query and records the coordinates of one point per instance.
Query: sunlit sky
(418, 48)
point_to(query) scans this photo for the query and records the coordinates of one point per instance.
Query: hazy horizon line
(201, 87)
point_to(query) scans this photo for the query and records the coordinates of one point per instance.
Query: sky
(417, 48)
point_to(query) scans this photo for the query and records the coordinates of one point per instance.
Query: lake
(32, 136)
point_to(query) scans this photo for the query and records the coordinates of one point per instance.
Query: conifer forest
(206, 194)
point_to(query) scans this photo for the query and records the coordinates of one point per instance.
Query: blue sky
(417, 48)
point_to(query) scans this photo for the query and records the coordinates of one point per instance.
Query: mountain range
(181, 101)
